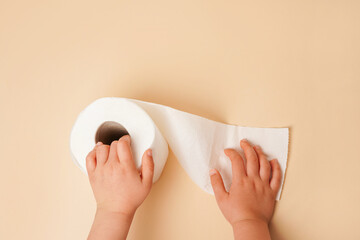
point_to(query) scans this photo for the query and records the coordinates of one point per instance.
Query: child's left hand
(117, 185)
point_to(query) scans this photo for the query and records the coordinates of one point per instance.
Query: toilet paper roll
(198, 143)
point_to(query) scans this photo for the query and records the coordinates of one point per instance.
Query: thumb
(147, 169)
(217, 184)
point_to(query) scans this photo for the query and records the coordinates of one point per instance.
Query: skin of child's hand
(118, 186)
(253, 190)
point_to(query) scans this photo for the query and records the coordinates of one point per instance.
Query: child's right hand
(252, 193)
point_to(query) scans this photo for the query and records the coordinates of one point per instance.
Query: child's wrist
(109, 207)
(110, 225)
(114, 216)
(250, 221)
(251, 229)
(115, 212)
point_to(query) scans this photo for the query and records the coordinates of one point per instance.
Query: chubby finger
(252, 162)
(265, 168)
(237, 164)
(217, 185)
(147, 169)
(91, 161)
(124, 152)
(102, 153)
(113, 157)
(275, 181)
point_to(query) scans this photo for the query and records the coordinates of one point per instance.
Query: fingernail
(99, 143)
(244, 140)
(126, 138)
(257, 146)
(149, 153)
(212, 172)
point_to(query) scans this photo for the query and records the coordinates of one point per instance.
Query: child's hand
(251, 197)
(117, 185)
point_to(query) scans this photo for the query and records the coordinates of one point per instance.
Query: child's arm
(249, 204)
(119, 188)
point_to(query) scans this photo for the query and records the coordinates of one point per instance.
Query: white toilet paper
(198, 143)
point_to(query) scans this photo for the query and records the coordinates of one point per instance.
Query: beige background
(253, 63)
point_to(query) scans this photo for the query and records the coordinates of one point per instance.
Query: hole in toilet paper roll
(110, 131)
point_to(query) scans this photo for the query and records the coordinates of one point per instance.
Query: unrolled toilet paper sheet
(198, 143)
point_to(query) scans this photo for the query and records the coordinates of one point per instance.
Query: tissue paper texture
(197, 142)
